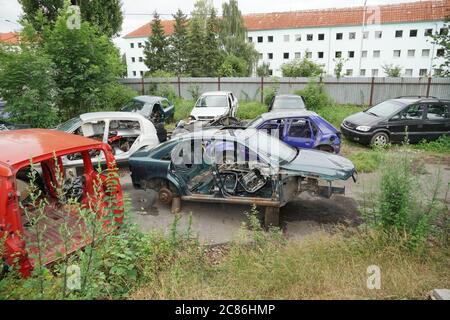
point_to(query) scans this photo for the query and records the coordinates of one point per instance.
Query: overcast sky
(135, 10)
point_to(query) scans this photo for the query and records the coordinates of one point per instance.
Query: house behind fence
(354, 90)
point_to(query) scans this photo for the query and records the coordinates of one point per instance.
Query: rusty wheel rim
(165, 196)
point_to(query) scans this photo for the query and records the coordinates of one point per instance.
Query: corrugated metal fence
(355, 90)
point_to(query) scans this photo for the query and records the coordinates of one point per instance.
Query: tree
(443, 39)
(156, 50)
(212, 54)
(105, 14)
(233, 35)
(233, 66)
(263, 70)
(338, 68)
(392, 71)
(26, 82)
(301, 68)
(195, 49)
(86, 65)
(178, 41)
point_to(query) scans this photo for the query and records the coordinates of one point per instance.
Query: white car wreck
(215, 104)
(125, 132)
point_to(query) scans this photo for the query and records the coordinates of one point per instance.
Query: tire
(379, 139)
(325, 148)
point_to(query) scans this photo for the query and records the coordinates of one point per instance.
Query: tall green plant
(156, 52)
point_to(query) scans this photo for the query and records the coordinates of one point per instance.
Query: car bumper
(357, 136)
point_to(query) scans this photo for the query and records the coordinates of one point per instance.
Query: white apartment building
(367, 38)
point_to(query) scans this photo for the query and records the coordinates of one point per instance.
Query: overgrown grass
(335, 114)
(183, 109)
(441, 145)
(251, 110)
(368, 160)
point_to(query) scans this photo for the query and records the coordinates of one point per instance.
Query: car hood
(319, 164)
(209, 112)
(362, 119)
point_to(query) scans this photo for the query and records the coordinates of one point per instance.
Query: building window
(134, 73)
(428, 32)
(425, 52)
(365, 34)
(298, 37)
(408, 72)
(309, 37)
(140, 45)
(362, 72)
(270, 56)
(142, 73)
(260, 56)
(411, 53)
(413, 33)
(440, 52)
(374, 72)
(269, 39)
(423, 72)
(320, 54)
(376, 53)
(286, 38)
(133, 59)
(338, 54)
(132, 45)
(397, 53)
(260, 39)
(321, 36)
(399, 33)
(308, 54)
(270, 72)
(378, 34)
(286, 55)
(250, 39)
(352, 35)
(351, 54)
(339, 36)
(349, 72)
(298, 55)
(364, 54)
(141, 59)
(443, 31)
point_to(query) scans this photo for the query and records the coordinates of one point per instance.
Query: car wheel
(325, 148)
(379, 139)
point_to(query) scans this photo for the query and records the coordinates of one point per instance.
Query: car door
(167, 108)
(437, 121)
(409, 123)
(235, 105)
(299, 133)
(274, 127)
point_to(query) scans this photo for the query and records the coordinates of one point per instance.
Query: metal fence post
(142, 86)
(428, 86)
(372, 84)
(262, 89)
(218, 83)
(179, 87)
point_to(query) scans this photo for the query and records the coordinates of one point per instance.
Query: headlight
(363, 128)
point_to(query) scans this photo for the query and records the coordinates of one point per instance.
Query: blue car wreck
(300, 129)
(237, 166)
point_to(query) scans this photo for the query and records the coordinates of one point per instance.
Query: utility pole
(362, 36)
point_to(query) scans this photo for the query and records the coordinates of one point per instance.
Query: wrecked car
(213, 105)
(156, 109)
(287, 102)
(300, 129)
(125, 132)
(236, 166)
(193, 125)
(20, 208)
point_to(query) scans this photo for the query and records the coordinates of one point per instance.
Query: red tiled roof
(9, 37)
(405, 12)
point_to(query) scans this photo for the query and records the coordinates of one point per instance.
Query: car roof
(23, 145)
(287, 114)
(216, 93)
(148, 99)
(113, 115)
(288, 96)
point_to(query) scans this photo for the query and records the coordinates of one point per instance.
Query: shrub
(233, 66)
(301, 68)
(250, 110)
(441, 145)
(270, 92)
(315, 96)
(183, 109)
(116, 96)
(367, 161)
(194, 90)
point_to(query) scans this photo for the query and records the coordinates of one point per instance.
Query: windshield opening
(288, 103)
(212, 102)
(69, 124)
(385, 109)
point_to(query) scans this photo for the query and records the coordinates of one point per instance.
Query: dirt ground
(220, 223)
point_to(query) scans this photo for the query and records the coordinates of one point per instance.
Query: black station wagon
(395, 120)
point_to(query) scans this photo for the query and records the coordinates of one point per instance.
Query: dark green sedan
(236, 166)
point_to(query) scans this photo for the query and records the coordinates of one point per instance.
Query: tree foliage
(233, 66)
(105, 14)
(443, 40)
(301, 68)
(338, 68)
(392, 71)
(178, 42)
(156, 50)
(263, 70)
